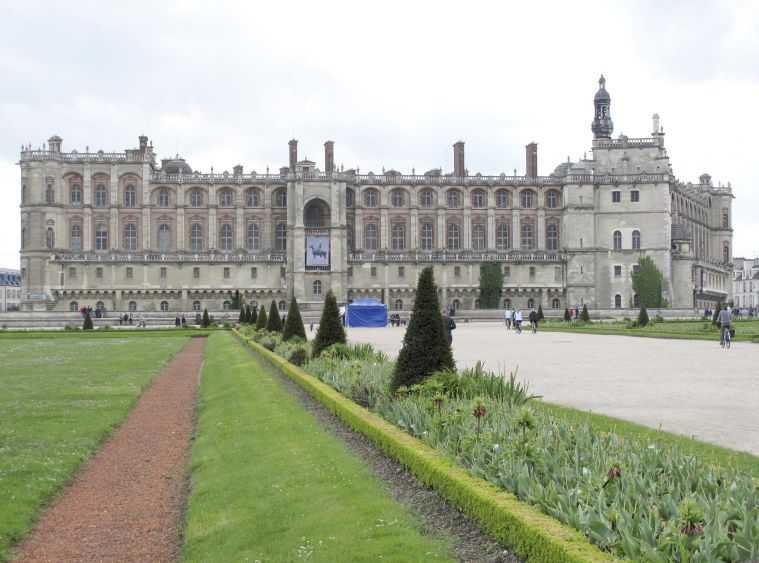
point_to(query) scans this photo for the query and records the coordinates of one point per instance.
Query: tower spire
(602, 126)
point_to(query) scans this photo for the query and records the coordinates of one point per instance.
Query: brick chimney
(329, 157)
(237, 170)
(459, 168)
(532, 160)
(293, 154)
(143, 144)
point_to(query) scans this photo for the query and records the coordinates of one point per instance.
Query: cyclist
(533, 321)
(518, 320)
(723, 320)
(507, 318)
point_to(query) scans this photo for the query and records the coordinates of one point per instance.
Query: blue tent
(366, 312)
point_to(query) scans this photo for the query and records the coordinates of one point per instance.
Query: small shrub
(205, 321)
(658, 319)
(717, 309)
(294, 325)
(331, 330)
(585, 316)
(540, 313)
(274, 322)
(299, 356)
(642, 317)
(566, 315)
(261, 319)
(252, 315)
(87, 325)
(70, 327)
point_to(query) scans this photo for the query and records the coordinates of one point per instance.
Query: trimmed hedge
(516, 524)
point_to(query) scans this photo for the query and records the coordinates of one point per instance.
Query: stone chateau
(122, 232)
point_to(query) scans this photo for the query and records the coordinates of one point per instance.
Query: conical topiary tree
(243, 318)
(274, 322)
(717, 310)
(566, 315)
(87, 325)
(585, 316)
(425, 346)
(294, 324)
(205, 321)
(261, 319)
(642, 316)
(540, 313)
(252, 314)
(331, 330)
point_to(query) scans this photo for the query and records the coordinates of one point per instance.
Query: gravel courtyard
(689, 387)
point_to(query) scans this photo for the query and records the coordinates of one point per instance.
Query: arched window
(725, 218)
(164, 238)
(527, 237)
(426, 236)
(476, 303)
(252, 198)
(130, 237)
(397, 199)
(24, 242)
(253, 238)
(370, 237)
(636, 301)
(73, 306)
(636, 240)
(196, 237)
(75, 195)
(456, 304)
(527, 199)
(617, 301)
(76, 238)
(317, 287)
(225, 198)
(398, 306)
(280, 198)
(164, 305)
(454, 237)
(552, 237)
(282, 306)
(24, 193)
(349, 237)
(530, 303)
(50, 238)
(49, 194)
(552, 200)
(502, 237)
(478, 199)
(370, 198)
(425, 198)
(617, 240)
(196, 197)
(280, 234)
(478, 237)
(507, 303)
(132, 306)
(225, 237)
(196, 306)
(163, 198)
(101, 196)
(501, 198)
(130, 196)
(101, 237)
(726, 252)
(350, 198)
(555, 303)
(454, 199)
(399, 237)
(100, 306)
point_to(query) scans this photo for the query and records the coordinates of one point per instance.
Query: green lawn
(697, 330)
(59, 399)
(269, 484)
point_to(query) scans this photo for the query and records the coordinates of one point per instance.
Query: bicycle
(534, 327)
(725, 342)
(518, 326)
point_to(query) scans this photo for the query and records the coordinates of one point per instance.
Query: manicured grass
(632, 432)
(115, 333)
(269, 484)
(694, 330)
(61, 397)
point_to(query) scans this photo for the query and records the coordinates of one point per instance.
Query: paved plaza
(689, 387)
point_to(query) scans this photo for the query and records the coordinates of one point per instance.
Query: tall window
(253, 237)
(280, 198)
(552, 237)
(370, 237)
(101, 196)
(502, 237)
(76, 238)
(76, 194)
(555, 303)
(49, 194)
(425, 198)
(163, 198)
(478, 237)
(617, 301)
(552, 200)
(527, 199)
(225, 198)
(454, 199)
(478, 199)
(370, 198)
(349, 237)
(501, 198)
(426, 236)
(527, 236)
(196, 197)
(617, 240)
(130, 237)
(130, 196)
(196, 237)
(399, 237)
(225, 237)
(101, 237)
(726, 252)
(50, 238)
(725, 218)
(636, 240)
(398, 200)
(252, 198)
(317, 287)
(454, 237)
(280, 233)
(164, 306)
(350, 198)
(398, 305)
(164, 238)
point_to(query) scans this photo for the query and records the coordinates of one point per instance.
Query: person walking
(448, 325)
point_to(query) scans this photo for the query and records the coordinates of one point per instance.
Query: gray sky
(394, 84)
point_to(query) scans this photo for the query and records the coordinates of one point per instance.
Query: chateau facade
(122, 232)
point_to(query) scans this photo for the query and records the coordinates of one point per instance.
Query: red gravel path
(126, 505)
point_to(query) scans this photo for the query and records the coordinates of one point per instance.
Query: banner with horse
(317, 250)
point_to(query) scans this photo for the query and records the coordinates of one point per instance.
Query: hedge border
(523, 528)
